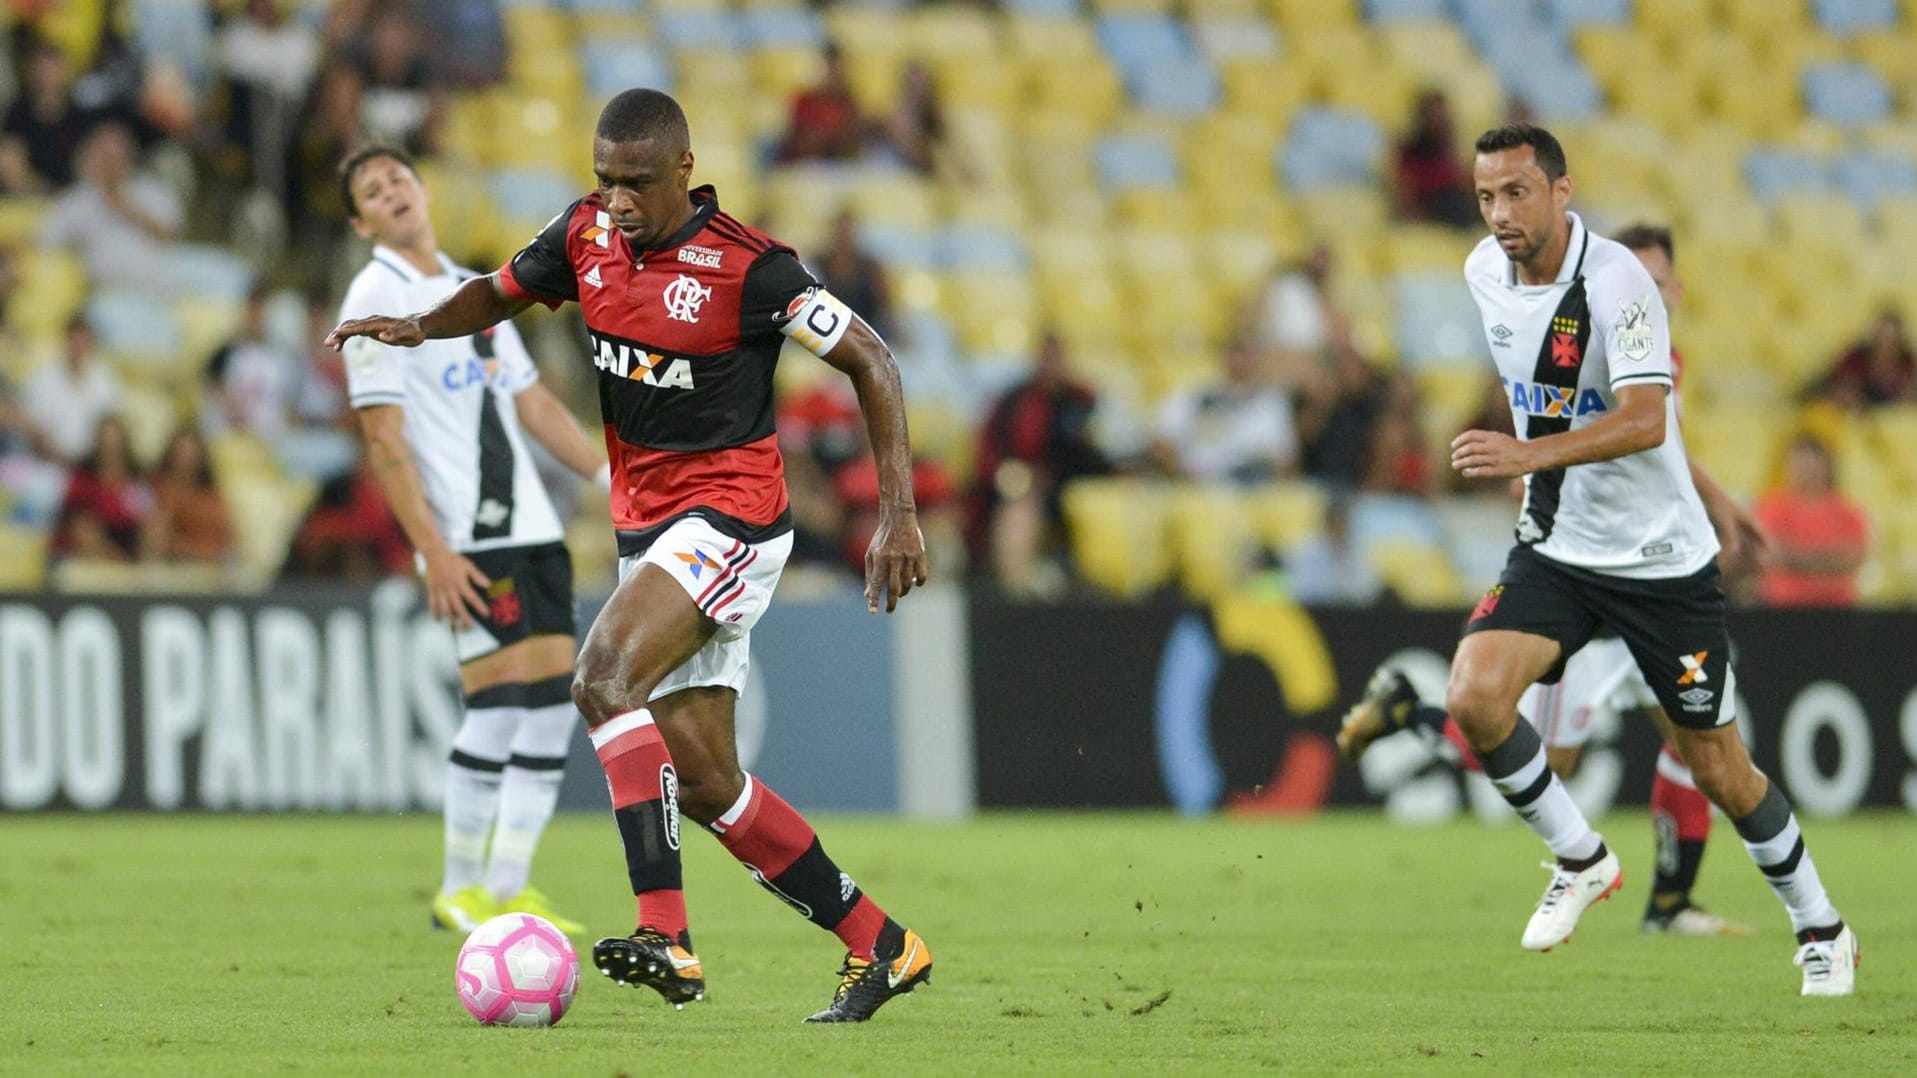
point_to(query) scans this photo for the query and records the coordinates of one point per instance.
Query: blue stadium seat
(899, 247)
(1389, 11)
(1574, 14)
(968, 247)
(1132, 41)
(531, 194)
(1869, 177)
(710, 28)
(614, 7)
(1559, 88)
(1847, 94)
(1437, 321)
(137, 322)
(180, 32)
(1773, 173)
(1843, 17)
(1184, 87)
(615, 65)
(1051, 9)
(782, 28)
(1330, 148)
(1139, 159)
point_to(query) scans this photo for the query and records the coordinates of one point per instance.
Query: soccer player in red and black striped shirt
(687, 309)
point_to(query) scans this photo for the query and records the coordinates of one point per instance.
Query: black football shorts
(531, 595)
(1673, 626)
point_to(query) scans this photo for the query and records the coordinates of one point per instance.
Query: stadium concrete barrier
(1233, 708)
(347, 699)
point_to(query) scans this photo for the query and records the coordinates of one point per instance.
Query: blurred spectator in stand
(934, 492)
(855, 276)
(1398, 456)
(1240, 430)
(1818, 537)
(1431, 184)
(1035, 439)
(122, 224)
(916, 129)
(250, 381)
(480, 28)
(106, 503)
(329, 128)
(190, 521)
(825, 123)
(43, 127)
(1494, 413)
(1880, 369)
(268, 61)
(1328, 569)
(1294, 320)
(820, 431)
(399, 101)
(66, 401)
(1337, 408)
(349, 534)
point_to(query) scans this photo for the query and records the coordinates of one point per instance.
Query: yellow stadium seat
(1287, 513)
(1676, 20)
(1827, 221)
(1890, 52)
(1237, 261)
(1087, 87)
(1119, 534)
(1212, 538)
(1419, 573)
(964, 81)
(1305, 17)
(23, 558)
(993, 311)
(1089, 303)
(955, 31)
(1130, 7)
(52, 288)
(1415, 248)
(20, 218)
(1271, 92)
(1052, 41)
(784, 72)
(1452, 393)
(863, 30)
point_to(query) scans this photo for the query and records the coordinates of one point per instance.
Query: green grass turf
(1113, 944)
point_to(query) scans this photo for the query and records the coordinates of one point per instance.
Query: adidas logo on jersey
(592, 278)
(1530, 398)
(622, 360)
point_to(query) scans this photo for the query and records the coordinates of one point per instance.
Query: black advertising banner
(1234, 707)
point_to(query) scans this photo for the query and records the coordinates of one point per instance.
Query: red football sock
(1676, 795)
(645, 802)
(1466, 758)
(771, 839)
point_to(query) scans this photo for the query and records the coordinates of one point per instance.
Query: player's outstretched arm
(895, 562)
(1636, 425)
(478, 304)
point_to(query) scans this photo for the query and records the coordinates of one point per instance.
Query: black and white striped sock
(1770, 833)
(1519, 771)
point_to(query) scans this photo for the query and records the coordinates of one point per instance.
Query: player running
(687, 309)
(1600, 679)
(1612, 532)
(445, 432)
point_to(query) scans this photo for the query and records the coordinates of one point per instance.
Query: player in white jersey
(1612, 532)
(1600, 682)
(443, 427)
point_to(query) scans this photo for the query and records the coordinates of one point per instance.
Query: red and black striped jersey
(685, 337)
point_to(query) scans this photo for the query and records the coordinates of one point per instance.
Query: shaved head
(645, 116)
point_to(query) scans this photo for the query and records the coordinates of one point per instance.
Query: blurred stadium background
(1174, 287)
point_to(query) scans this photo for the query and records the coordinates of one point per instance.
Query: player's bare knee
(601, 689)
(704, 796)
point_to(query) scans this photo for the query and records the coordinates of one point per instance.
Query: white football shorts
(732, 582)
(1602, 677)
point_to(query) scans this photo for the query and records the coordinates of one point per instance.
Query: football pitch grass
(1064, 944)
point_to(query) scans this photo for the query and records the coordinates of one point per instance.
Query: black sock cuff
(537, 763)
(549, 692)
(1519, 749)
(1431, 718)
(1768, 819)
(507, 694)
(462, 758)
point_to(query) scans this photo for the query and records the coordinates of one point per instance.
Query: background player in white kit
(1600, 681)
(443, 434)
(1612, 532)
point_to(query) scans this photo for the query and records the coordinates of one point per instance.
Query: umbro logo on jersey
(1530, 398)
(684, 297)
(622, 360)
(1503, 334)
(592, 278)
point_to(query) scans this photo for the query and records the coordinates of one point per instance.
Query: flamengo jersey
(1562, 351)
(685, 337)
(461, 423)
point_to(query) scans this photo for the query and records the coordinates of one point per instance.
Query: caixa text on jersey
(623, 359)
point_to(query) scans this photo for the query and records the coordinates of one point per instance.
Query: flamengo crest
(684, 297)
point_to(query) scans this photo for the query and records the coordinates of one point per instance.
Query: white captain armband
(816, 319)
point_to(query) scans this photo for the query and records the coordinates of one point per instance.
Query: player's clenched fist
(404, 332)
(894, 563)
(1487, 454)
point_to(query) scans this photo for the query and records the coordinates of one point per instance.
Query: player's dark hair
(1544, 144)
(354, 161)
(642, 116)
(1643, 236)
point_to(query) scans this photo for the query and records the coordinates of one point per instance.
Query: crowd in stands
(162, 177)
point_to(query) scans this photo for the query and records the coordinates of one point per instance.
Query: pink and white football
(517, 970)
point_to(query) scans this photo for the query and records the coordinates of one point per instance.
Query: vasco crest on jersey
(1635, 336)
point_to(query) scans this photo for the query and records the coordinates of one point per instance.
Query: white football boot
(1693, 921)
(1830, 966)
(1566, 899)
